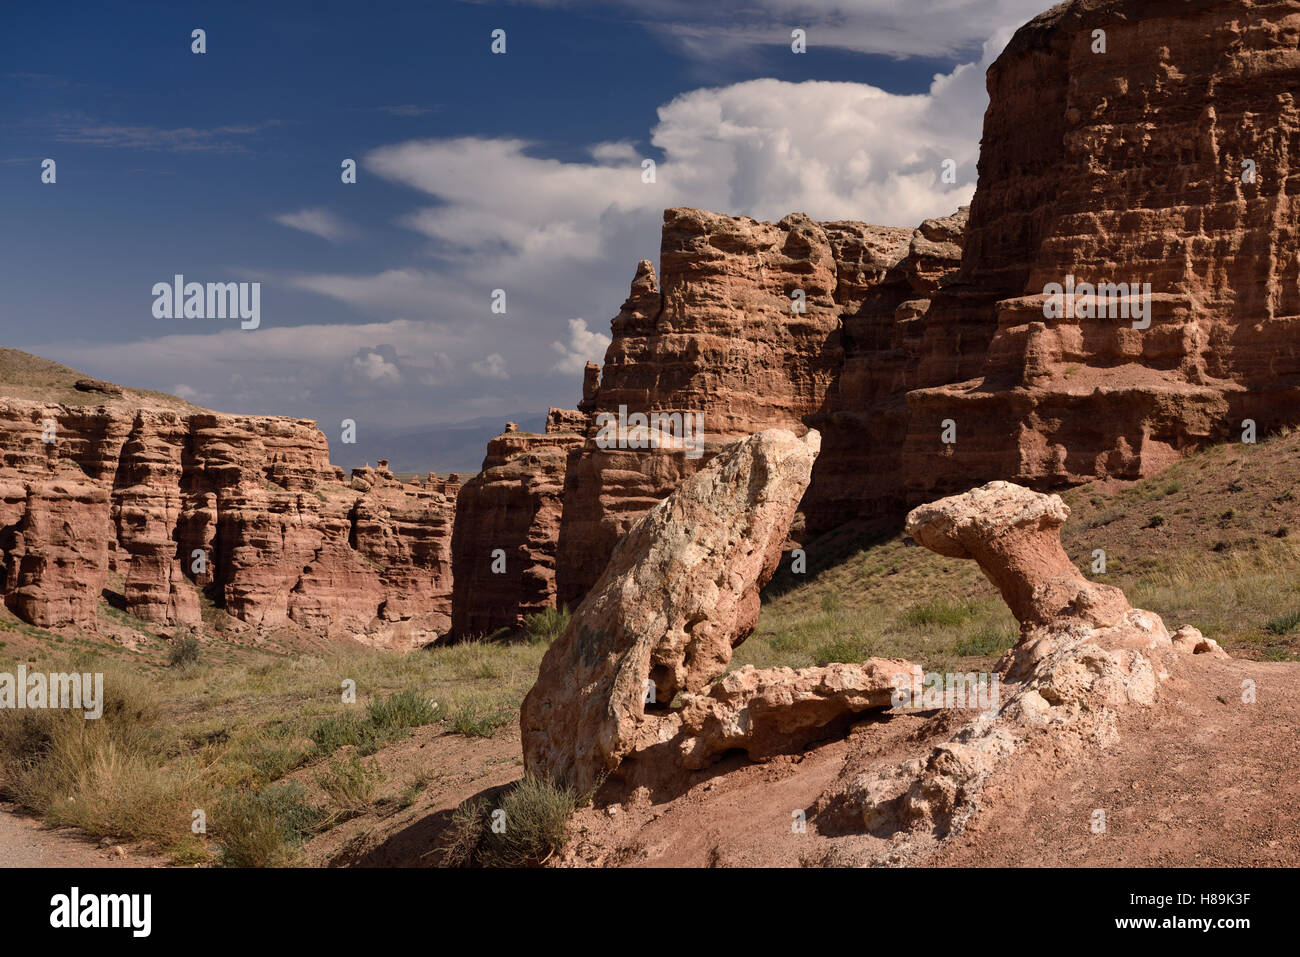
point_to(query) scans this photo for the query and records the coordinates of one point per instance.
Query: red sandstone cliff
(755, 326)
(185, 503)
(507, 524)
(1123, 166)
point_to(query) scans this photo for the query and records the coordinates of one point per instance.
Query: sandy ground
(24, 842)
(1201, 779)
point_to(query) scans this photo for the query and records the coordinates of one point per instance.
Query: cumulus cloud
(491, 366)
(376, 367)
(584, 346)
(619, 151)
(762, 148)
(319, 222)
(563, 236)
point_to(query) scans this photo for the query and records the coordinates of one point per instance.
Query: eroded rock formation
(752, 327)
(1085, 656)
(185, 503)
(777, 710)
(1129, 165)
(507, 526)
(680, 591)
(925, 357)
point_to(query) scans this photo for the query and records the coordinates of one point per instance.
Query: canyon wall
(1165, 160)
(1155, 152)
(243, 513)
(754, 326)
(507, 524)
(925, 357)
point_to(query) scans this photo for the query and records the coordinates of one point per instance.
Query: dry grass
(231, 733)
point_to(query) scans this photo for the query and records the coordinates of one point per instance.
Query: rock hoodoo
(1084, 657)
(680, 591)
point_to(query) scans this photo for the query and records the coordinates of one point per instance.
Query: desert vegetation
(259, 739)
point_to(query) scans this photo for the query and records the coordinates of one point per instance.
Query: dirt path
(24, 842)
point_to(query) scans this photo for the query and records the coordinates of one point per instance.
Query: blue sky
(476, 171)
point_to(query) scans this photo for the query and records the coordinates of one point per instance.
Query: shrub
(406, 709)
(105, 776)
(185, 651)
(351, 784)
(536, 822)
(264, 828)
(338, 731)
(1284, 624)
(547, 624)
(535, 818)
(940, 612)
(469, 823)
(986, 641)
(478, 719)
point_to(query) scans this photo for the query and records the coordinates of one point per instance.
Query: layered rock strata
(750, 329)
(507, 526)
(1150, 181)
(186, 505)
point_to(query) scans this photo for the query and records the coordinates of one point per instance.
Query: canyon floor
(255, 730)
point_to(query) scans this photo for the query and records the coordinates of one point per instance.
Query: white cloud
(934, 28)
(619, 151)
(376, 367)
(492, 366)
(319, 222)
(563, 237)
(584, 346)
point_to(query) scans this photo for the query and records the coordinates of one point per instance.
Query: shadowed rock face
(681, 590)
(137, 490)
(717, 334)
(513, 505)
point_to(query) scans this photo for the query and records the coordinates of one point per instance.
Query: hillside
(29, 377)
(1209, 541)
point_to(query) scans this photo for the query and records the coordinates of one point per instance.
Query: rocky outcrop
(507, 526)
(1163, 161)
(1084, 658)
(749, 330)
(55, 534)
(680, 591)
(186, 505)
(778, 710)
